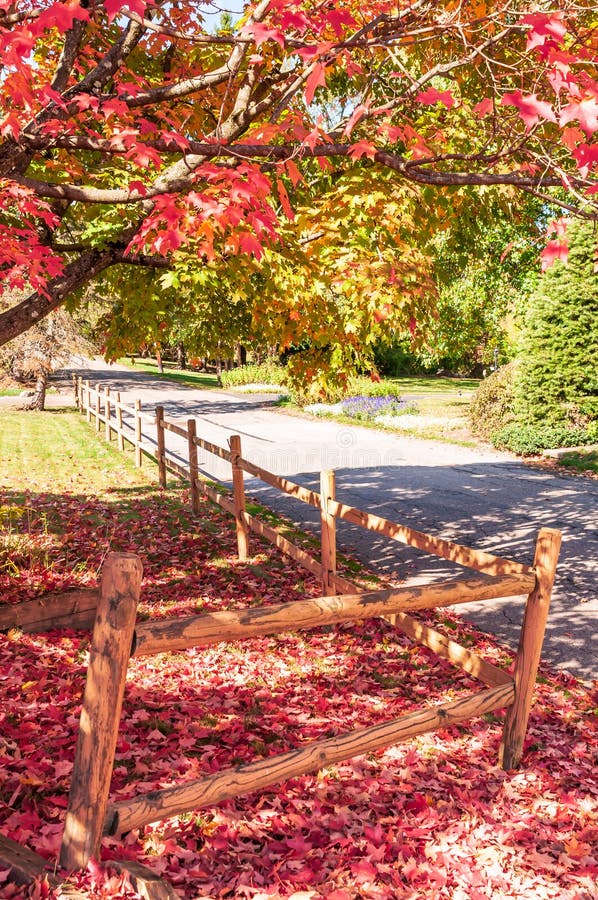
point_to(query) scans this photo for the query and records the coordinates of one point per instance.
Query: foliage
(396, 357)
(557, 380)
(284, 176)
(268, 372)
(491, 407)
(530, 439)
(485, 267)
(369, 407)
(18, 550)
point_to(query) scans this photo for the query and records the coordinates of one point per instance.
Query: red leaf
(363, 148)
(284, 200)
(262, 33)
(585, 112)
(293, 172)
(484, 108)
(530, 108)
(554, 250)
(317, 78)
(544, 27)
(432, 96)
(587, 157)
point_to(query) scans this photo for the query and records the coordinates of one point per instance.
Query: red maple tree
(128, 130)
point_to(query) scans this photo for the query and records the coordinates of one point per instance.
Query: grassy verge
(443, 405)
(183, 376)
(57, 450)
(583, 461)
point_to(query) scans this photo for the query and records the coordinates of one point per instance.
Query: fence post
(119, 423)
(75, 390)
(239, 498)
(193, 467)
(100, 714)
(107, 415)
(88, 401)
(97, 407)
(138, 454)
(161, 441)
(328, 492)
(527, 660)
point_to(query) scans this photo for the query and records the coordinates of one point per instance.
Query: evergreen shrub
(531, 439)
(557, 380)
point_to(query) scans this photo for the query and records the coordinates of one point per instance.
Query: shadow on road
(178, 407)
(468, 506)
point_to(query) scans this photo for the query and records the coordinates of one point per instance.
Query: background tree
(484, 267)
(45, 347)
(130, 135)
(557, 377)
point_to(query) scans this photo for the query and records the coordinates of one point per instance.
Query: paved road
(478, 497)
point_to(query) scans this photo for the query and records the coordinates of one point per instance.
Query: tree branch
(180, 176)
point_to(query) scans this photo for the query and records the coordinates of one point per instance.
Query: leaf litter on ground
(431, 818)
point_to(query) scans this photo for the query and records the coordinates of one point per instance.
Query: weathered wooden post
(88, 401)
(98, 407)
(100, 714)
(138, 454)
(119, 423)
(530, 646)
(107, 415)
(193, 466)
(239, 497)
(161, 441)
(75, 390)
(328, 492)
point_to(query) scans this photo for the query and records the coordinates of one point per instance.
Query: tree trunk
(160, 363)
(240, 355)
(181, 355)
(38, 401)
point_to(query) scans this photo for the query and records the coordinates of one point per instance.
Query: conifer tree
(557, 379)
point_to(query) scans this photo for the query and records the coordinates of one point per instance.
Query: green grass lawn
(200, 380)
(583, 461)
(446, 398)
(432, 384)
(58, 448)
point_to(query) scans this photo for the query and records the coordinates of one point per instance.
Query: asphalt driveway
(478, 497)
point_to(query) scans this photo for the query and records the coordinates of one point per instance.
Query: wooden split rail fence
(117, 636)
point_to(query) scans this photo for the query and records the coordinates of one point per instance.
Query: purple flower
(370, 407)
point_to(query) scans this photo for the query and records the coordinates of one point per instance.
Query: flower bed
(369, 408)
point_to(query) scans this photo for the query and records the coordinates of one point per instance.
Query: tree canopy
(131, 136)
